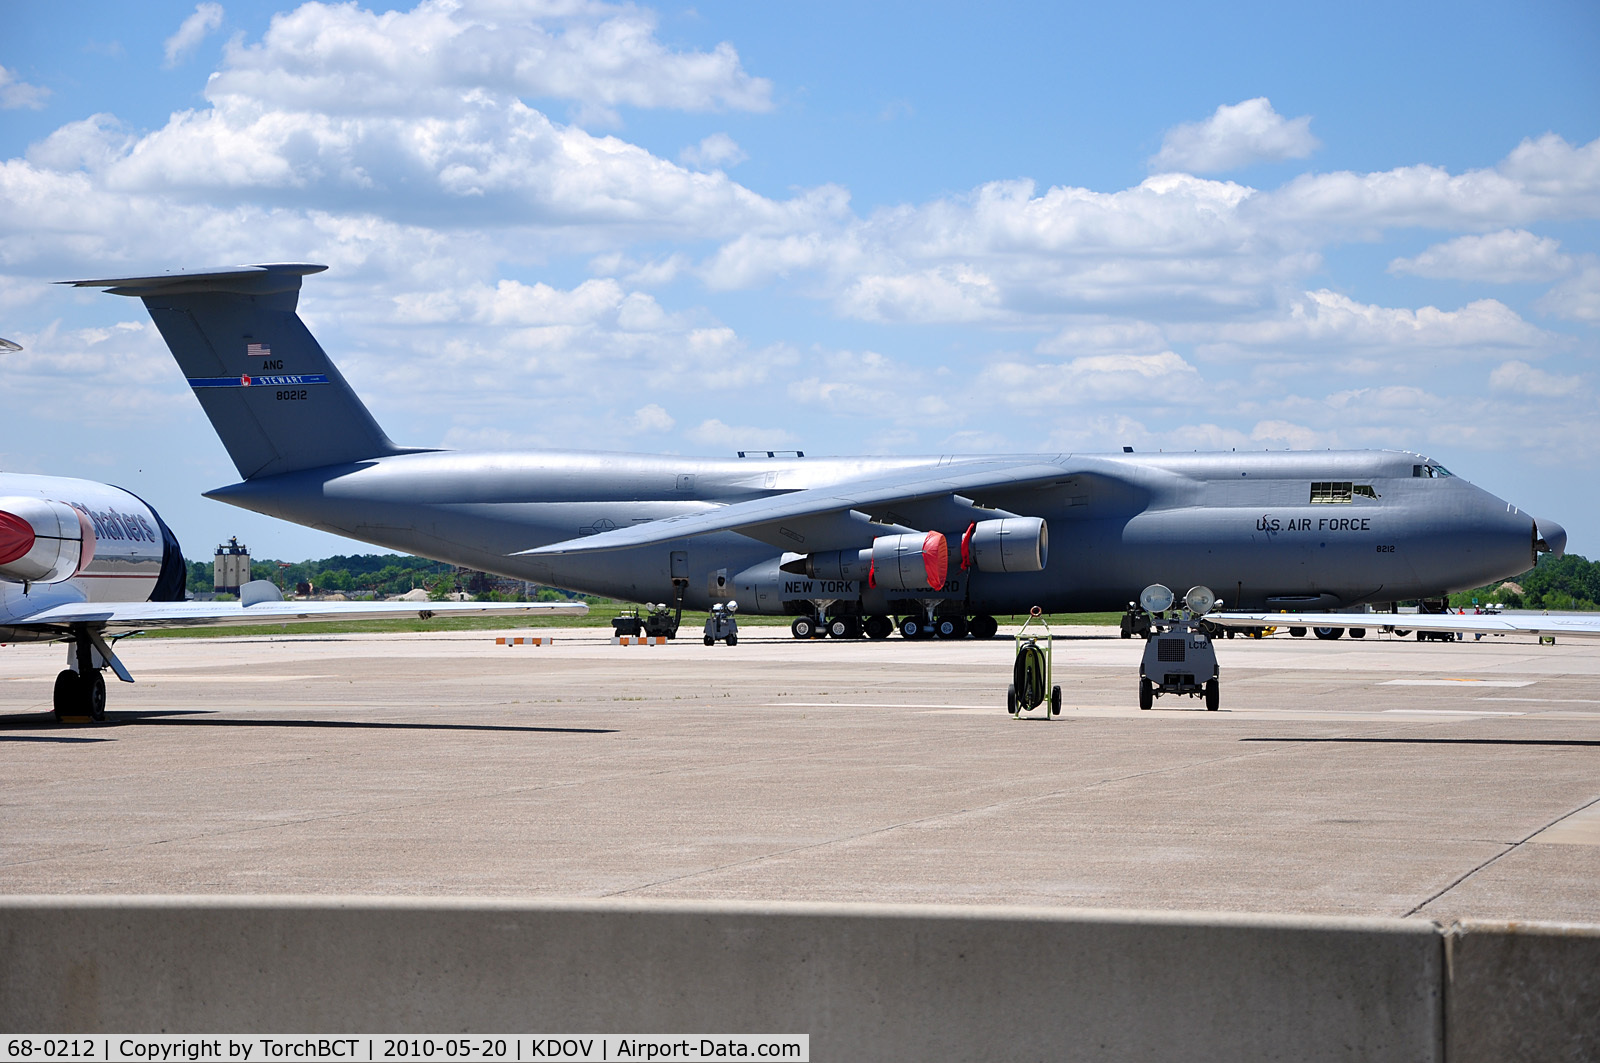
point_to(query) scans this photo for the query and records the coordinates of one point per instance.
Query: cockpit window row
(1432, 472)
(1330, 492)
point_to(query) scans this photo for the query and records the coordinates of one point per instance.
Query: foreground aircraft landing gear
(983, 626)
(877, 627)
(80, 696)
(804, 627)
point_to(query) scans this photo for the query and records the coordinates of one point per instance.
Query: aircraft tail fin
(275, 399)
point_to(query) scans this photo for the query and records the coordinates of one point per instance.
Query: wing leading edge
(132, 615)
(870, 495)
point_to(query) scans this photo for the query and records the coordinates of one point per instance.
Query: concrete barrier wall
(865, 981)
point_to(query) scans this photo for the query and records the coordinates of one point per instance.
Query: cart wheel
(732, 640)
(1147, 693)
(1213, 695)
(1011, 699)
(1055, 701)
(710, 641)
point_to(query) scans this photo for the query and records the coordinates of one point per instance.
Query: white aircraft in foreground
(81, 560)
(1545, 625)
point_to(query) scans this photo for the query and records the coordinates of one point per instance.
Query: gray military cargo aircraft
(943, 544)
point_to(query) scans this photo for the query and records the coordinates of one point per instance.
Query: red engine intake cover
(936, 558)
(16, 537)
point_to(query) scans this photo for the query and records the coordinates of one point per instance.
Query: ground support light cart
(1033, 671)
(1178, 657)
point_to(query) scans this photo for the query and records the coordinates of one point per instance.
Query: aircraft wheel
(1055, 701)
(911, 628)
(733, 640)
(1011, 699)
(1213, 695)
(1147, 693)
(983, 626)
(803, 627)
(878, 627)
(946, 627)
(94, 696)
(1358, 632)
(65, 695)
(1399, 632)
(710, 641)
(1328, 632)
(844, 627)
(1298, 632)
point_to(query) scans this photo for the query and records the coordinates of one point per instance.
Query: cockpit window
(1431, 471)
(1331, 491)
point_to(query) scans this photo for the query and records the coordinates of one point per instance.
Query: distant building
(231, 567)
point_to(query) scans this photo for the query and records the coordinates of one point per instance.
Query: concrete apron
(867, 982)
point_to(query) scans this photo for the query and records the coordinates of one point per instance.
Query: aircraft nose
(1552, 537)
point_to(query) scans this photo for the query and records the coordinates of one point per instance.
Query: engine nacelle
(1011, 544)
(832, 564)
(910, 562)
(43, 541)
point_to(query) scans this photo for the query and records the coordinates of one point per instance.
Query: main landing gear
(850, 626)
(80, 692)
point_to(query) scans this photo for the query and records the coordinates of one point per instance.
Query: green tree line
(1560, 584)
(360, 575)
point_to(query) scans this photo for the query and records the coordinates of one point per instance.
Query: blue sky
(890, 228)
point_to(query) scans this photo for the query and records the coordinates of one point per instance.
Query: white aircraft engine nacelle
(1012, 544)
(42, 541)
(910, 562)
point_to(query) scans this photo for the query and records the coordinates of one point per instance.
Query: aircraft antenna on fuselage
(276, 400)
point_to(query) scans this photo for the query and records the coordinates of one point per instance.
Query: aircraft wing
(1581, 625)
(137, 615)
(870, 495)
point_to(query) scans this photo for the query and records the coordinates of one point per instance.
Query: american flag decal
(257, 350)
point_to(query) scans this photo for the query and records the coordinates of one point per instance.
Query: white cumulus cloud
(206, 18)
(1234, 136)
(16, 93)
(716, 150)
(1520, 378)
(1506, 257)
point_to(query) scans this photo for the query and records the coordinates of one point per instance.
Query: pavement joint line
(1509, 849)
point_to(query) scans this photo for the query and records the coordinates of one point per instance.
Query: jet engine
(910, 562)
(892, 563)
(43, 541)
(1011, 544)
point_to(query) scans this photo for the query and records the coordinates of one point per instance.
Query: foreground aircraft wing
(133, 615)
(1581, 625)
(871, 496)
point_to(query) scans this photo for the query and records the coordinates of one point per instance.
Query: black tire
(1328, 633)
(878, 627)
(1298, 632)
(1400, 632)
(65, 695)
(1213, 695)
(911, 628)
(843, 627)
(983, 626)
(1358, 632)
(1011, 698)
(733, 640)
(1147, 693)
(710, 641)
(93, 689)
(945, 627)
(1055, 701)
(803, 627)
